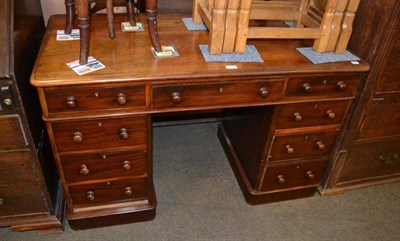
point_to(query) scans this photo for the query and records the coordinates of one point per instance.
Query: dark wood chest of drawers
(281, 117)
(370, 150)
(30, 197)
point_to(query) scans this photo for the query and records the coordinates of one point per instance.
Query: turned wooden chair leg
(70, 12)
(151, 10)
(130, 7)
(110, 18)
(84, 29)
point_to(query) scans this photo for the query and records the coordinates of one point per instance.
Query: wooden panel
(328, 86)
(100, 133)
(311, 114)
(217, 94)
(103, 165)
(370, 160)
(382, 118)
(5, 29)
(12, 133)
(74, 99)
(390, 79)
(108, 192)
(301, 146)
(19, 183)
(297, 175)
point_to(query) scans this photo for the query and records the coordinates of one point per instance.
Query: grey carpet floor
(199, 199)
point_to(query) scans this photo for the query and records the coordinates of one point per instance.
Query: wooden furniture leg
(243, 25)
(70, 12)
(110, 18)
(231, 26)
(347, 26)
(84, 28)
(321, 44)
(130, 7)
(151, 10)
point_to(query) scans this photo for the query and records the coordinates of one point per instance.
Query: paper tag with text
(92, 65)
(74, 35)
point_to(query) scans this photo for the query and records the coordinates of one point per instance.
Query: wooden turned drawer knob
(1, 201)
(297, 117)
(128, 191)
(330, 114)
(310, 175)
(123, 133)
(264, 93)
(90, 195)
(121, 98)
(385, 160)
(176, 98)
(84, 170)
(78, 137)
(341, 85)
(396, 157)
(320, 145)
(280, 179)
(71, 102)
(127, 165)
(289, 149)
(306, 87)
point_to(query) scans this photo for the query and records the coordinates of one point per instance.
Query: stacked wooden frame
(228, 22)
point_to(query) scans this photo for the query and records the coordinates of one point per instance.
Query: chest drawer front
(12, 133)
(21, 198)
(323, 86)
(100, 133)
(104, 165)
(108, 192)
(16, 166)
(301, 146)
(87, 99)
(299, 175)
(312, 114)
(371, 160)
(382, 118)
(216, 94)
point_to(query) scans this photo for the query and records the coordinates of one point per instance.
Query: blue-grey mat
(191, 26)
(250, 55)
(327, 57)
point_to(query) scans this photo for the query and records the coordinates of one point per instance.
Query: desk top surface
(128, 57)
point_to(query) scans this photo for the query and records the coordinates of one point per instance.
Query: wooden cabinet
(30, 197)
(277, 137)
(368, 153)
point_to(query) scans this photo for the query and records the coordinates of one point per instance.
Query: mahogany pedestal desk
(282, 116)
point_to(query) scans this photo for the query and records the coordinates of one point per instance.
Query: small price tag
(91, 66)
(127, 27)
(74, 35)
(231, 67)
(167, 51)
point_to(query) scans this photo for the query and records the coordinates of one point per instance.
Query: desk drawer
(301, 146)
(323, 86)
(100, 133)
(104, 165)
(94, 98)
(108, 192)
(301, 174)
(312, 114)
(217, 94)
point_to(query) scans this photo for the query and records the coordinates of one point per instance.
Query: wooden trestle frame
(228, 22)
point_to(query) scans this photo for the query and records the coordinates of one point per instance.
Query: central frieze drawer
(217, 94)
(108, 192)
(311, 114)
(323, 86)
(94, 98)
(100, 133)
(301, 146)
(104, 165)
(295, 175)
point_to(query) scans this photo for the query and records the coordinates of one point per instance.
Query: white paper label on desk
(92, 65)
(231, 67)
(74, 35)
